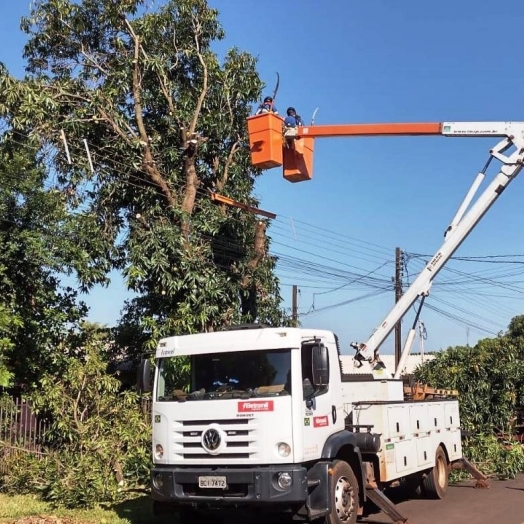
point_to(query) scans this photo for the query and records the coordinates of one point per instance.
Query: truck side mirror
(320, 365)
(143, 379)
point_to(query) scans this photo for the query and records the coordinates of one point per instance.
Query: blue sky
(378, 61)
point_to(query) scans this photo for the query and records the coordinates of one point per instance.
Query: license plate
(212, 482)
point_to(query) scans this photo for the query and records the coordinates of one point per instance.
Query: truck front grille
(240, 438)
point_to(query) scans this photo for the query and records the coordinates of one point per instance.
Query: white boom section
(462, 224)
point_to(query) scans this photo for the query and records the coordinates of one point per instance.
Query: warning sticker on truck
(320, 422)
(390, 453)
(255, 406)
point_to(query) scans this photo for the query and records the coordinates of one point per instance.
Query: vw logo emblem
(211, 439)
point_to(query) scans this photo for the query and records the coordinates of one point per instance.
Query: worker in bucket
(291, 123)
(267, 106)
(292, 119)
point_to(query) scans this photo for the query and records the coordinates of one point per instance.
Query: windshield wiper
(196, 395)
(222, 392)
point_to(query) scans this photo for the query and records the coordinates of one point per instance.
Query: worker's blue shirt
(293, 121)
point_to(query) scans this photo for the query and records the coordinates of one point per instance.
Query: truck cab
(252, 416)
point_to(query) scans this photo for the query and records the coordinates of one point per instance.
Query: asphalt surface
(502, 503)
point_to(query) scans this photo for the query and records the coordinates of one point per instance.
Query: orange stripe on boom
(400, 129)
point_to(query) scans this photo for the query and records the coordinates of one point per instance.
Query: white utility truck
(270, 421)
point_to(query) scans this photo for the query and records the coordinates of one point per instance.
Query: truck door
(320, 412)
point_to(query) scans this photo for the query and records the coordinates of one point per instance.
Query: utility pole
(294, 306)
(399, 258)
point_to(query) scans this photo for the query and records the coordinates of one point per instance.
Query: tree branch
(223, 181)
(60, 92)
(162, 79)
(92, 61)
(116, 128)
(147, 160)
(76, 402)
(137, 96)
(203, 92)
(192, 181)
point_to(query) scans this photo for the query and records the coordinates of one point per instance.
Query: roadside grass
(135, 510)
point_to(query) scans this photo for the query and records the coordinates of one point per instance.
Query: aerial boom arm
(270, 147)
(390, 129)
(463, 222)
(485, 129)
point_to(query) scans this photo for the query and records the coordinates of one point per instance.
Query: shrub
(503, 460)
(98, 442)
(489, 378)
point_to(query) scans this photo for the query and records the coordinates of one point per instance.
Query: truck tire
(413, 485)
(435, 484)
(344, 494)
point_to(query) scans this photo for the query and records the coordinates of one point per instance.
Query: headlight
(284, 480)
(158, 481)
(283, 449)
(159, 451)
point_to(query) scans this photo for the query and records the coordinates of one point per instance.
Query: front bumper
(254, 485)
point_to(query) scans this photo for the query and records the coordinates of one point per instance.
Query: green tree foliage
(163, 119)
(504, 460)
(9, 323)
(36, 312)
(490, 380)
(99, 440)
(516, 328)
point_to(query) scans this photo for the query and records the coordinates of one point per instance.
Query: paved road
(503, 503)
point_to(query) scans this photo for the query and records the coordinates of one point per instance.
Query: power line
(289, 263)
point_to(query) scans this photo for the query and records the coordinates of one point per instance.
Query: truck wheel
(413, 485)
(435, 484)
(344, 495)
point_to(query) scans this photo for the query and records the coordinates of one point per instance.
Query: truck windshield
(245, 374)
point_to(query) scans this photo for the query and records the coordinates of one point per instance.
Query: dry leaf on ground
(47, 520)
